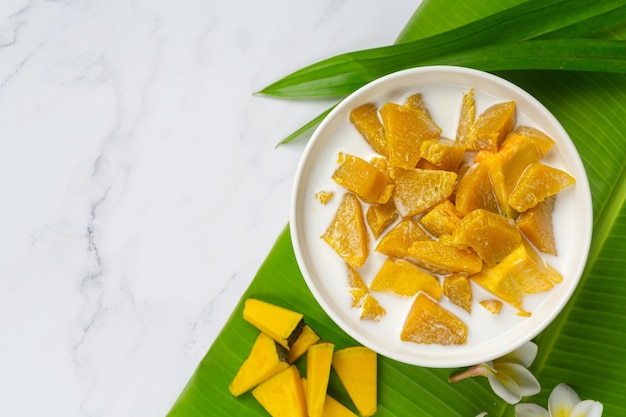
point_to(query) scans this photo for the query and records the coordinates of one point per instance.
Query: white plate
(489, 336)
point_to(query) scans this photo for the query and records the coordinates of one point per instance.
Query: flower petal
(562, 399)
(530, 410)
(505, 387)
(526, 381)
(587, 408)
(523, 355)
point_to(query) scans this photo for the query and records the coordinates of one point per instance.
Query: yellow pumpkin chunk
(465, 128)
(443, 258)
(302, 343)
(492, 126)
(358, 289)
(492, 305)
(536, 224)
(543, 142)
(347, 233)
(397, 241)
(416, 101)
(538, 182)
(372, 310)
(443, 153)
(475, 190)
(381, 216)
(366, 121)
(357, 370)
(500, 283)
(266, 358)
(363, 179)
(318, 360)
(441, 219)
(490, 235)
(332, 407)
(458, 289)
(428, 322)
(417, 190)
(404, 278)
(281, 324)
(282, 395)
(405, 130)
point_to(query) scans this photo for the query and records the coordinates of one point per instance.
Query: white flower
(508, 376)
(563, 402)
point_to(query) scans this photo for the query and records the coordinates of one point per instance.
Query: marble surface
(141, 187)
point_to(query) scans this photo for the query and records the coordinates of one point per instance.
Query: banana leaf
(583, 347)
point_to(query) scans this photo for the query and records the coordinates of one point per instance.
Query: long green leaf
(583, 347)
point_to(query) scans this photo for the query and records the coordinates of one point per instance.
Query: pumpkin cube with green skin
(302, 343)
(281, 324)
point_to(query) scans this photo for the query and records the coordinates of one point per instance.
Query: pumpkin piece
(538, 182)
(507, 166)
(532, 272)
(496, 280)
(416, 101)
(441, 257)
(475, 191)
(332, 407)
(281, 324)
(536, 224)
(358, 289)
(302, 343)
(490, 235)
(372, 310)
(357, 369)
(324, 196)
(492, 305)
(417, 190)
(381, 216)
(347, 233)
(543, 142)
(397, 241)
(363, 179)
(441, 219)
(380, 163)
(458, 289)
(405, 130)
(266, 358)
(430, 323)
(425, 164)
(366, 121)
(465, 128)
(404, 278)
(318, 360)
(492, 126)
(443, 153)
(282, 395)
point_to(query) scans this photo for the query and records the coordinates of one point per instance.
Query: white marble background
(140, 187)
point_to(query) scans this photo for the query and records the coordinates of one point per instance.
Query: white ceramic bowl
(489, 336)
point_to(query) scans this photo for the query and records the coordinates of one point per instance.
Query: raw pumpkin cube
(417, 190)
(475, 190)
(282, 395)
(372, 310)
(428, 323)
(406, 279)
(324, 196)
(381, 216)
(366, 121)
(543, 142)
(538, 182)
(347, 233)
(465, 128)
(416, 101)
(405, 130)
(397, 241)
(443, 153)
(492, 126)
(536, 224)
(281, 324)
(492, 305)
(363, 179)
(490, 235)
(302, 343)
(358, 289)
(357, 369)
(441, 219)
(332, 407)
(500, 283)
(441, 257)
(458, 289)
(266, 358)
(318, 360)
